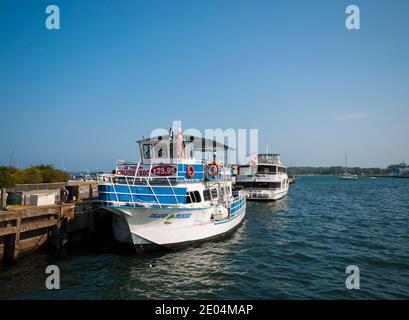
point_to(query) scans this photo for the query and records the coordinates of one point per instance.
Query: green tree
(7, 178)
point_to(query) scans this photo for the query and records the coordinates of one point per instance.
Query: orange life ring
(214, 172)
(190, 171)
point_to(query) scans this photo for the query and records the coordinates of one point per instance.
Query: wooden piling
(3, 198)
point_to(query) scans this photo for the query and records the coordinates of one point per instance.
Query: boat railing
(177, 172)
(111, 180)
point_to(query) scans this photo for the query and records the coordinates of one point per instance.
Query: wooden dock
(24, 229)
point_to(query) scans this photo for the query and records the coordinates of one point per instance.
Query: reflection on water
(271, 207)
(295, 248)
(197, 270)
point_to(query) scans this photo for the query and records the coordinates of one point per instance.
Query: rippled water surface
(296, 248)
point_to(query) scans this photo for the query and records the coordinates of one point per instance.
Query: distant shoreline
(333, 175)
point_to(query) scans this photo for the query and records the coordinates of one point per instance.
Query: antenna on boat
(266, 149)
(170, 133)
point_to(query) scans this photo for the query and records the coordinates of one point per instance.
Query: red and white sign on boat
(164, 171)
(143, 171)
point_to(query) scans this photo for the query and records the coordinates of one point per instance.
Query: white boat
(400, 171)
(346, 175)
(169, 198)
(264, 179)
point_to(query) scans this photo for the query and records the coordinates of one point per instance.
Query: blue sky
(118, 69)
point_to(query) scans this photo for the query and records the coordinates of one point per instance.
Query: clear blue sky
(118, 69)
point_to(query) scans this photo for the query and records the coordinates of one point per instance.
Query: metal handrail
(130, 192)
(173, 191)
(113, 185)
(153, 193)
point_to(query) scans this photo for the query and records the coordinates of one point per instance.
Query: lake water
(296, 248)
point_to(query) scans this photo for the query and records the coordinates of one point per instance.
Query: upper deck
(174, 172)
(266, 164)
(176, 148)
(269, 159)
(173, 157)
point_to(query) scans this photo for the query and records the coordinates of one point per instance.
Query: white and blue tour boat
(169, 198)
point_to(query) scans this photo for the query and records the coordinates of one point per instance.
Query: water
(296, 248)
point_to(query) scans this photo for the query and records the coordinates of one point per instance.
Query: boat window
(266, 169)
(207, 195)
(214, 193)
(161, 150)
(197, 196)
(190, 197)
(281, 169)
(221, 191)
(266, 185)
(193, 197)
(244, 170)
(147, 151)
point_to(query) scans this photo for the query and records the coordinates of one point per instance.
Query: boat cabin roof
(198, 143)
(269, 158)
(166, 149)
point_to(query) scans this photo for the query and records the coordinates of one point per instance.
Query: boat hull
(170, 227)
(264, 195)
(349, 177)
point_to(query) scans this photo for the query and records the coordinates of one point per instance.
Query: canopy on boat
(199, 143)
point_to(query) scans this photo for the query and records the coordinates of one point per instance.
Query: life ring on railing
(190, 171)
(214, 171)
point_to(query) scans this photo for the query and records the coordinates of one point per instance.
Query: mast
(346, 161)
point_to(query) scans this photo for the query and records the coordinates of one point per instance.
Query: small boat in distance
(170, 198)
(399, 171)
(264, 179)
(346, 175)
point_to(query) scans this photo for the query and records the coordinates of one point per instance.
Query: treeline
(336, 170)
(9, 177)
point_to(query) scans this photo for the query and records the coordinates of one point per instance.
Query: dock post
(54, 232)
(3, 198)
(90, 192)
(11, 244)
